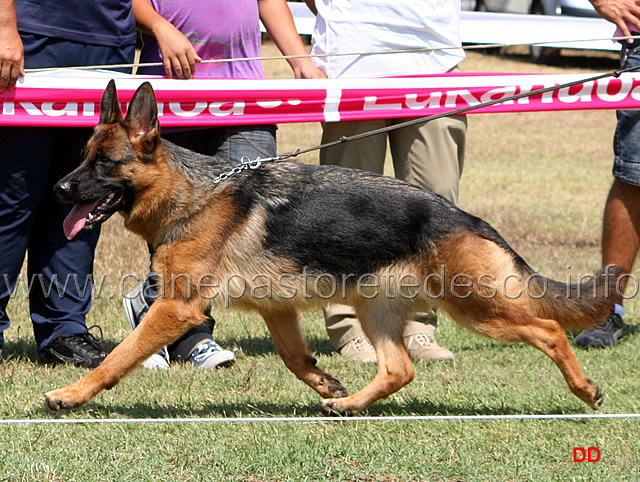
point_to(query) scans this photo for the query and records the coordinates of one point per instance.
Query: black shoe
(606, 334)
(81, 350)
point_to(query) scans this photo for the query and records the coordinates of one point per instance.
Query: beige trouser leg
(430, 155)
(343, 326)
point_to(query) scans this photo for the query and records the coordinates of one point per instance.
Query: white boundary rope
(345, 54)
(417, 418)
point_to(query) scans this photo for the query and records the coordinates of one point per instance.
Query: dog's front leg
(293, 350)
(166, 321)
(384, 329)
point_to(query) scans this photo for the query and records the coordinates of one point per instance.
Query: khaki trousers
(430, 155)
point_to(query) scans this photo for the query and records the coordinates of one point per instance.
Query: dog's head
(111, 175)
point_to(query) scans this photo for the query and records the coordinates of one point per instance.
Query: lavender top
(218, 29)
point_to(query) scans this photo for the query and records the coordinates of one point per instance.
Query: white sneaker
(157, 361)
(136, 307)
(209, 354)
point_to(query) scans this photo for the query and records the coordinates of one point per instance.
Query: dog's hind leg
(165, 322)
(293, 350)
(550, 338)
(384, 330)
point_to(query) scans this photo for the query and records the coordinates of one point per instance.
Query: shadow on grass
(21, 349)
(415, 407)
(263, 345)
(24, 348)
(630, 330)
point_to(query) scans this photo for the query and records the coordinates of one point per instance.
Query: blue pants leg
(32, 160)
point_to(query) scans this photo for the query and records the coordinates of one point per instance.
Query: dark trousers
(58, 283)
(232, 144)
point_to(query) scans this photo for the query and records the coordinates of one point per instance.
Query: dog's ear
(142, 116)
(110, 112)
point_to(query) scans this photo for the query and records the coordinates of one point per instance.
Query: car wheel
(480, 6)
(541, 55)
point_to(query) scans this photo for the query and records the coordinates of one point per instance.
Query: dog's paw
(328, 387)
(336, 388)
(598, 396)
(56, 401)
(54, 404)
(332, 407)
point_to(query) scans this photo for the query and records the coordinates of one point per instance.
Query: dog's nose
(65, 188)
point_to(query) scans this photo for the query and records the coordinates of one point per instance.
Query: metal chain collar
(245, 163)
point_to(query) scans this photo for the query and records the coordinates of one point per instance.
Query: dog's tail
(575, 305)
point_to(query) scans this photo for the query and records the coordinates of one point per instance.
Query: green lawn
(541, 179)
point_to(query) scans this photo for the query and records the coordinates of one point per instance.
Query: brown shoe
(424, 347)
(359, 349)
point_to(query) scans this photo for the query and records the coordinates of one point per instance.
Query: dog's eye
(102, 159)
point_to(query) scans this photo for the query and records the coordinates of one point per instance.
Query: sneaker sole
(221, 360)
(361, 359)
(433, 359)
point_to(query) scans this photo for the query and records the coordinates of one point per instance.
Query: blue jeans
(232, 143)
(32, 160)
(626, 141)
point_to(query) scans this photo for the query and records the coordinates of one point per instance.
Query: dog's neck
(197, 168)
(180, 190)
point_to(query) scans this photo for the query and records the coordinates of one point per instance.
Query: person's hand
(623, 13)
(178, 55)
(11, 58)
(305, 69)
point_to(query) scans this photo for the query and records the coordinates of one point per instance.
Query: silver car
(576, 8)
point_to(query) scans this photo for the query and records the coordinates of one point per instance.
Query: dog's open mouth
(88, 215)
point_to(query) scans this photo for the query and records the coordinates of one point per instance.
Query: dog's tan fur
(200, 229)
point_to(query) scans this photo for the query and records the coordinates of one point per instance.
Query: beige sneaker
(359, 349)
(424, 347)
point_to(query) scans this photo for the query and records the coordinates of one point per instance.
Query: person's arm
(277, 19)
(312, 6)
(11, 48)
(624, 13)
(177, 52)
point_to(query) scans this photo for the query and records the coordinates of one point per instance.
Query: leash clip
(252, 164)
(245, 163)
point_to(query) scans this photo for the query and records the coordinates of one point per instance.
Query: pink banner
(64, 98)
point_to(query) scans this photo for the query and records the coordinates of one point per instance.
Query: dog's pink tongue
(77, 218)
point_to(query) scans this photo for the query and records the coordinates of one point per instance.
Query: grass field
(540, 178)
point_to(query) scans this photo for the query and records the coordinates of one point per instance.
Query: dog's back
(285, 236)
(348, 223)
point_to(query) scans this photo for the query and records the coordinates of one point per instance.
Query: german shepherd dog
(286, 237)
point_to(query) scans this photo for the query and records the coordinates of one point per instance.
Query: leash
(246, 163)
